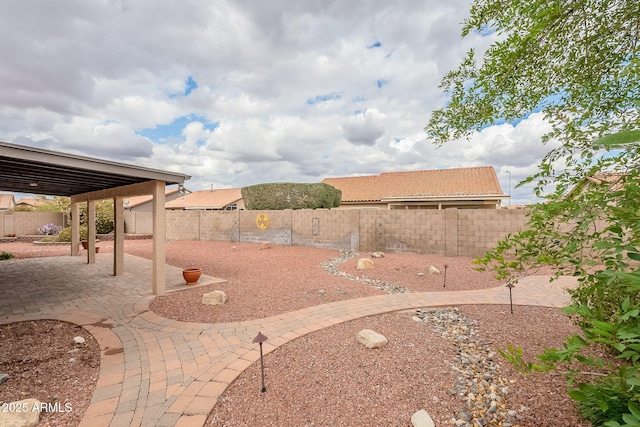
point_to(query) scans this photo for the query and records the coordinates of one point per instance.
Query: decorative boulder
(422, 419)
(365, 264)
(214, 298)
(265, 245)
(371, 339)
(27, 414)
(377, 255)
(433, 270)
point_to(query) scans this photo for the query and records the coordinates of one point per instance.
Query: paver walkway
(160, 372)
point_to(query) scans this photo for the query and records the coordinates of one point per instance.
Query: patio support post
(159, 237)
(118, 238)
(91, 232)
(75, 228)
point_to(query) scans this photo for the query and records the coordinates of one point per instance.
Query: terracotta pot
(85, 245)
(191, 275)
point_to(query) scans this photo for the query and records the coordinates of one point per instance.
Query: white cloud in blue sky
(238, 93)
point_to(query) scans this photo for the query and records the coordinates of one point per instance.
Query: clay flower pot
(191, 275)
(85, 245)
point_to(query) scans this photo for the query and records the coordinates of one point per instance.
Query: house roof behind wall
(460, 182)
(131, 202)
(208, 199)
(7, 201)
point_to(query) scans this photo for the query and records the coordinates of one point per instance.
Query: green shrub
(104, 216)
(604, 401)
(65, 234)
(6, 255)
(288, 195)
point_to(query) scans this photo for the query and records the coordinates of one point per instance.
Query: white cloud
(364, 128)
(87, 76)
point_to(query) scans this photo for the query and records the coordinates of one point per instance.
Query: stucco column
(159, 236)
(118, 237)
(75, 228)
(91, 232)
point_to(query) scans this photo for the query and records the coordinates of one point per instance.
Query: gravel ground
(44, 362)
(327, 378)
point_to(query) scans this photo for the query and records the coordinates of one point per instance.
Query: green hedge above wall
(289, 195)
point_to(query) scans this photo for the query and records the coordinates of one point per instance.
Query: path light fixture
(444, 280)
(260, 339)
(510, 286)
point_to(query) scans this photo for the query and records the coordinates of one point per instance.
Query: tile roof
(30, 201)
(614, 180)
(6, 201)
(474, 181)
(131, 202)
(208, 199)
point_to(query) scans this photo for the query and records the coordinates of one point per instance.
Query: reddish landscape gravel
(326, 377)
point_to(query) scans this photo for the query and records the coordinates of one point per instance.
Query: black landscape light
(510, 286)
(260, 339)
(444, 280)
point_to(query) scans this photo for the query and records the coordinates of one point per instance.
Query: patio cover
(85, 179)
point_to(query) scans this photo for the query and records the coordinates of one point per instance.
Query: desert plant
(6, 255)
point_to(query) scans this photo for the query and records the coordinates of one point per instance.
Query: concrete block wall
(180, 225)
(400, 230)
(138, 222)
(219, 225)
(323, 228)
(27, 223)
(480, 230)
(450, 232)
(278, 230)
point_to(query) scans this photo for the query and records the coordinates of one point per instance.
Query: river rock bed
(482, 390)
(332, 266)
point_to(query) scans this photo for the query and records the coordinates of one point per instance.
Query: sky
(242, 93)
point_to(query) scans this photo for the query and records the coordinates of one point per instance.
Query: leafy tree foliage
(287, 195)
(577, 62)
(54, 204)
(104, 216)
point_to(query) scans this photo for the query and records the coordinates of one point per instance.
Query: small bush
(607, 400)
(65, 234)
(6, 255)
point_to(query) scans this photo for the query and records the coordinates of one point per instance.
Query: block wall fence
(447, 232)
(27, 223)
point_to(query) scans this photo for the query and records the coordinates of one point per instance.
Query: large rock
(371, 339)
(422, 419)
(433, 270)
(377, 255)
(21, 413)
(365, 264)
(214, 298)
